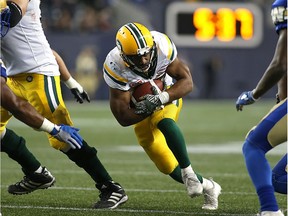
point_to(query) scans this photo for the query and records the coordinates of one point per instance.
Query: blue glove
(148, 103)
(69, 135)
(245, 98)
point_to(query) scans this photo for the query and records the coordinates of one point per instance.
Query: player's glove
(67, 134)
(80, 97)
(278, 98)
(149, 103)
(77, 90)
(245, 98)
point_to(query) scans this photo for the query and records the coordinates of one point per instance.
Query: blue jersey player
(272, 129)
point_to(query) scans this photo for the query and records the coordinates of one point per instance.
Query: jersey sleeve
(171, 49)
(111, 74)
(166, 45)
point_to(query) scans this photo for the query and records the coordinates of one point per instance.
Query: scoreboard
(214, 24)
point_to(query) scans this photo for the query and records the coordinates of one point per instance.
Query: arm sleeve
(16, 13)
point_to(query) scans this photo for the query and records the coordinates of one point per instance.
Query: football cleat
(192, 183)
(111, 196)
(32, 182)
(211, 196)
(271, 213)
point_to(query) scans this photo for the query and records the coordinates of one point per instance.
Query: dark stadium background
(241, 67)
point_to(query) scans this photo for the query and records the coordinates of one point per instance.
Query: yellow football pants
(44, 94)
(153, 141)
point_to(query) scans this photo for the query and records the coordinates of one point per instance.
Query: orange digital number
(246, 19)
(204, 23)
(225, 24)
(222, 24)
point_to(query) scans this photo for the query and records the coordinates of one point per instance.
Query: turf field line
(139, 190)
(194, 148)
(207, 148)
(124, 210)
(135, 173)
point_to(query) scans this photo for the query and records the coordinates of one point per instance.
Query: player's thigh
(5, 116)
(154, 144)
(272, 129)
(44, 94)
(161, 154)
(49, 99)
(171, 111)
(278, 134)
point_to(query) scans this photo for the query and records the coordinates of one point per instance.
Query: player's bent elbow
(189, 87)
(126, 122)
(123, 123)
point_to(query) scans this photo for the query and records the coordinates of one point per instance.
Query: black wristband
(16, 13)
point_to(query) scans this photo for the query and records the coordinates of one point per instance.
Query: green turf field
(214, 132)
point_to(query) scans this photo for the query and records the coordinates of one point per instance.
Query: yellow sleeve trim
(113, 75)
(170, 47)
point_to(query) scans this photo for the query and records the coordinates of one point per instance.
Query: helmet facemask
(135, 62)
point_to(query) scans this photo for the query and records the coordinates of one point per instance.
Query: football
(145, 88)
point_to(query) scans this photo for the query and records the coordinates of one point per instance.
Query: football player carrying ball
(140, 56)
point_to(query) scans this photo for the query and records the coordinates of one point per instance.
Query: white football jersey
(25, 48)
(118, 75)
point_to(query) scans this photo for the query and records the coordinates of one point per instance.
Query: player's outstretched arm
(63, 133)
(245, 98)
(275, 72)
(77, 90)
(277, 69)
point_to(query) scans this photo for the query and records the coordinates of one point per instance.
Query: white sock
(186, 170)
(207, 184)
(39, 170)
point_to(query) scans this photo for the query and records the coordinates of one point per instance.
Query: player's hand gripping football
(149, 103)
(245, 98)
(68, 134)
(77, 90)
